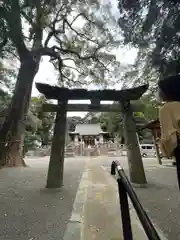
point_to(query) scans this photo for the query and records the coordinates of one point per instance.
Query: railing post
(125, 215)
(125, 189)
(113, 168)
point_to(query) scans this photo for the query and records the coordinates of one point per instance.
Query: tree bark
(56, 163)
(14, 124)
(136, 169)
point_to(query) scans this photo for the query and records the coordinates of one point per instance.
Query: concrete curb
(74, 229)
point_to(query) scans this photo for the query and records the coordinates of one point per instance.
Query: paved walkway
(99, 217)
(102, 218)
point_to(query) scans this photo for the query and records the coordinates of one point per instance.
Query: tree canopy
(74, 34)
(152, 27)
(113, 122)
(46, 119)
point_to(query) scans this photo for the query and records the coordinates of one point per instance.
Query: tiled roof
(88, 129)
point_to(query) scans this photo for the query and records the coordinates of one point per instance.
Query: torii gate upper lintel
(55, 92)
(123, 97)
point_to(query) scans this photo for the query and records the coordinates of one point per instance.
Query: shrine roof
(88, 129)
(55, 92)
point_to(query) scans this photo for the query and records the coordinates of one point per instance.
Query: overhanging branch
(50, 35)
(80, 34)
(68, 51)
(56, 19)
(82, 15)
(66, 66)
(74, 82)
(52, 52)
(45, 51)
(54, 32)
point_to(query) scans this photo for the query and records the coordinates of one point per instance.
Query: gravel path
(28, 211)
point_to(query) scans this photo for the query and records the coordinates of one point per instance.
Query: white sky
(46, 73)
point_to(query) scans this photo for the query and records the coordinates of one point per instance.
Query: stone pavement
(28, 211)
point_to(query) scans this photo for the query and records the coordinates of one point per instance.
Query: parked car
(147, 150)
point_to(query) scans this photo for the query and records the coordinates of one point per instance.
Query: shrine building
(89, 135)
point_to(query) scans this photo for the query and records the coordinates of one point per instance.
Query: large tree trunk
(14, 124)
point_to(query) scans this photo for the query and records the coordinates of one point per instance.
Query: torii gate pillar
(55, 174)
(136, 169)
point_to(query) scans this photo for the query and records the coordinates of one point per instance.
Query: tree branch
(50, 35)
(80, 14)
(93, 56)
(45, 51)
(56, 19)
(103, 65)
(68, 51)
(10, 51)
(68, 59)
(53, 32)
(28, 18)
(3, 43)
(83, 15)
(70, 80)
(80, 34)
(66, 66)
(15, 28)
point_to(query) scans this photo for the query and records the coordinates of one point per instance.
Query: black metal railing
(125, 189)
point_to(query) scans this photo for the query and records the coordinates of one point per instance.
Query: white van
(147, 150)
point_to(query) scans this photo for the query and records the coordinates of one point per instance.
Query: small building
(154, 126)
(89, 135)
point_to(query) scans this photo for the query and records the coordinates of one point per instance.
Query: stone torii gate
(124, 104)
